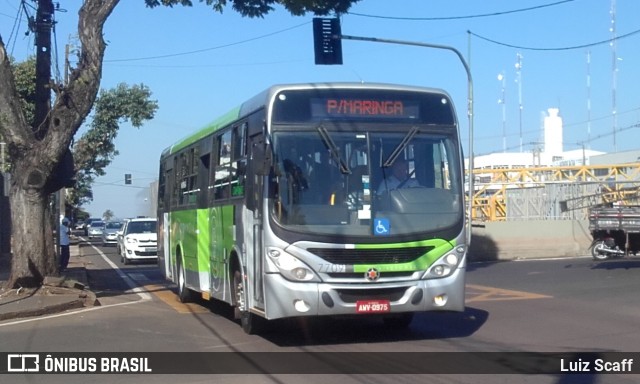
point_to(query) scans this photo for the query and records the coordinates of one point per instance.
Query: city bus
(281, 207)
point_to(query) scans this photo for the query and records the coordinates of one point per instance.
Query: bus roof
(265, 97)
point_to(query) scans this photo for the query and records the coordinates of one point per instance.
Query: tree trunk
(33, 246)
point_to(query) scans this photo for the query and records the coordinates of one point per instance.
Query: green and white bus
(282, 207)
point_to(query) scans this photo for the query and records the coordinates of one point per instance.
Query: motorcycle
(605, 248)
(615, 232)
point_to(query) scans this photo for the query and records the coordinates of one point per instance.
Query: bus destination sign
(364, 108)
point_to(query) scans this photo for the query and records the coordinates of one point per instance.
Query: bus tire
(399, 321)
(184, 294)
(251, 324)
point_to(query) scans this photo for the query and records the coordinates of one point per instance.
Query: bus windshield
(367, 183)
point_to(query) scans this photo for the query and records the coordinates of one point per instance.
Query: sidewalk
(58, 294)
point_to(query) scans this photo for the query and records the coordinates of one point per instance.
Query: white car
(139, 240)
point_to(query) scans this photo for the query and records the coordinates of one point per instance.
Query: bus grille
(353, 295)
(360, 275)
(370, 256)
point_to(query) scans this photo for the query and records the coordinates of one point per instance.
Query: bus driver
(399, 178)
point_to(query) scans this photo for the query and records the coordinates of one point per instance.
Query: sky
(199, 64)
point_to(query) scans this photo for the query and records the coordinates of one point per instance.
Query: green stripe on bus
(204, 240)
(441, 247)
(222, 121)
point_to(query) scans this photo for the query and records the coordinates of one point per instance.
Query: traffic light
(127, 178)
(326, 41)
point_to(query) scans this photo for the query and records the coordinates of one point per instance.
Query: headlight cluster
(290, 266)
(131, 240)
(445, 266)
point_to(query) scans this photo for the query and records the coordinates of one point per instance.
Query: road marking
(482, 293)
(139, 278)
(69, 313)
(171, 299)
(128, 280)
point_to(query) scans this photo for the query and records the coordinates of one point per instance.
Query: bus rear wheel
(251, 324)
(184, 293)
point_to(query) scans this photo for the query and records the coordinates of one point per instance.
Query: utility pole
(519, 80)
(503, 78)
(614, 70)
(43, 26)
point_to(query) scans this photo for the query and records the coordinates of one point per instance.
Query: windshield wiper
(403, 144)
(333, 149)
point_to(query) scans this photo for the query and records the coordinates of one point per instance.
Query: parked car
(139, 240)
(79, 225)
(95, 229)
(110, 232)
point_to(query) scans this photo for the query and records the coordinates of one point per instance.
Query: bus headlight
(290, 266)
(445, 266)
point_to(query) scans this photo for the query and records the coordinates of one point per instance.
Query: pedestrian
(65, 232)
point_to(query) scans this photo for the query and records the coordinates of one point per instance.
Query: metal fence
(552, 193)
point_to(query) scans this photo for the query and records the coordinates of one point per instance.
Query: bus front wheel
(250, 323)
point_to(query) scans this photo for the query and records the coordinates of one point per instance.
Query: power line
(608, 41)
(592, 139)
(461, 17)
(209, 49)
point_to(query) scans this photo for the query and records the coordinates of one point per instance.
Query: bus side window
(175, 187)
(223, 169)
(239, 160)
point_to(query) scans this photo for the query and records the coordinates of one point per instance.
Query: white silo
(553, 133)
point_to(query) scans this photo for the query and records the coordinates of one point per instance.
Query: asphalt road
(564, 305)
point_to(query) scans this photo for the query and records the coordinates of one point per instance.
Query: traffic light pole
(469, 103)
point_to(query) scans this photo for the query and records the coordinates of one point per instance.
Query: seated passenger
(398, 178)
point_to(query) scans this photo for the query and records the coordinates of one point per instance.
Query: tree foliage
(108, 215)
(95, 150)
(260, 8)
(25, 76)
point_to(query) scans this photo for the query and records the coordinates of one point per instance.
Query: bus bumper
(287, 299)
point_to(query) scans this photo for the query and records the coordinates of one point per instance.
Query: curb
(47, 310)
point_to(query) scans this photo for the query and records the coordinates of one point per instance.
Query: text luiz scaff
(597, 365)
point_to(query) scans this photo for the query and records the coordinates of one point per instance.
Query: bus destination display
(364, 108)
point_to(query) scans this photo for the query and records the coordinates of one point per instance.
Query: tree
(108, 215)
(36, 152)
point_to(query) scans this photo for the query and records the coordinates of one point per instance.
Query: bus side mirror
(262, 158)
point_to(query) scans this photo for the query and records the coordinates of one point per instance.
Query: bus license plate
(373, 306)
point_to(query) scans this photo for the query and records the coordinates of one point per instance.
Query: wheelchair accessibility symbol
(381, 227)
